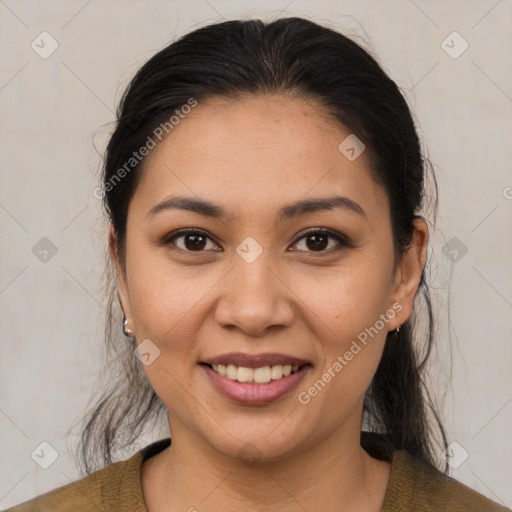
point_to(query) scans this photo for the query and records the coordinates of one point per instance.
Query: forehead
(254, 153)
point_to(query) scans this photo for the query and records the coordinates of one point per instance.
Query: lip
(252, 393)
(255, 360)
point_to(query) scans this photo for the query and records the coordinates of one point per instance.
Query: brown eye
(318, 241)
(191, 241)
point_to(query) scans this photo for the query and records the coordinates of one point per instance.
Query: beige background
(52, 111)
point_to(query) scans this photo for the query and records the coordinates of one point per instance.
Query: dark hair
(287, 56)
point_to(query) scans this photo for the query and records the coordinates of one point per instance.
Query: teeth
(231, 372)
(244, 374)
(261, 375)
(276, 372)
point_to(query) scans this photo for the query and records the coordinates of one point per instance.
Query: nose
(254, 298)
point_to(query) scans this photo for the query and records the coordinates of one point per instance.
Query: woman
(263, 186)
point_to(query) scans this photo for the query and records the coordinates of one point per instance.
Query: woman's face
(254, 282)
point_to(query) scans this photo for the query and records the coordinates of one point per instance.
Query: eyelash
(343, 242)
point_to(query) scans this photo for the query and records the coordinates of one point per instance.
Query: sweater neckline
(396, 493)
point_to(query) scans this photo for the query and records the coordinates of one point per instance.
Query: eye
(317, 240)
(192, 240)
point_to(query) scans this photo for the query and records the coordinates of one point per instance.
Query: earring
(397, 330)
(127, 332)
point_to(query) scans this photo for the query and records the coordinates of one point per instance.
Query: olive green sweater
(413, 486)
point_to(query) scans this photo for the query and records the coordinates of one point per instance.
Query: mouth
(255, 379)
(259, 375)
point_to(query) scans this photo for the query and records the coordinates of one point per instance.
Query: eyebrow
(301, 207)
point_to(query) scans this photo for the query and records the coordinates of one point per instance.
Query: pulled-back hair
(287, 56)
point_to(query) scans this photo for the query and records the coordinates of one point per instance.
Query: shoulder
(96, 492)
(116, 487)
(415, 485)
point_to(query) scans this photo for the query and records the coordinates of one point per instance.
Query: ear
(409, 270)
(120, 272)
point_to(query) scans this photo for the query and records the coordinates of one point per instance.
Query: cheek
(339, 303)
(165, 308)
(349, 350)
(346, 300)
(350, 310)
(162, 296)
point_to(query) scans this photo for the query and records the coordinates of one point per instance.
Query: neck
(336, 474)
